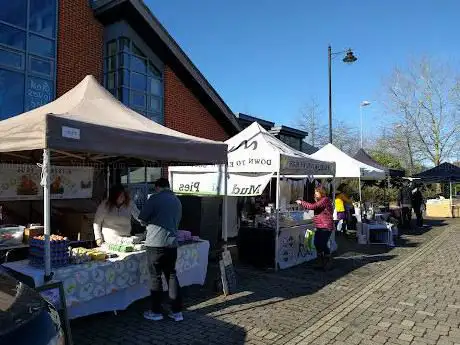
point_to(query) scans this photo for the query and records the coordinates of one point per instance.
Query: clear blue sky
(268, 58)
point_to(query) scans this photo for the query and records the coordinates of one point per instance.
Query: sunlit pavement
(373, 295)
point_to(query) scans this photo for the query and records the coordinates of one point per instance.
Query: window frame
(124, 72)
(26, 54)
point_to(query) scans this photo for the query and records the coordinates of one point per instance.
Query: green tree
(386, 159)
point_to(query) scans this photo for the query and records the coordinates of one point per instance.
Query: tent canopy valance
(445, 172)
(254, 157)
(89, 119)
(365, 158)
(254, 150)
(346, 166)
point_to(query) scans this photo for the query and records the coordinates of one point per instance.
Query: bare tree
(310, 121)
(425, 100)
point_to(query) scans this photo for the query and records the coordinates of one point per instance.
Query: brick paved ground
(408, 295)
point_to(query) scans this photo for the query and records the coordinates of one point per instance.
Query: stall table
(377, 233)
(101, 286)
(256, 246)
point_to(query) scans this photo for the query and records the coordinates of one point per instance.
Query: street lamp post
(349, 58)
(363, 104)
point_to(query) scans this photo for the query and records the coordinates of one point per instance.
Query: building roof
(142, 20)
(308, 149)
(246, 120)
(285, 130)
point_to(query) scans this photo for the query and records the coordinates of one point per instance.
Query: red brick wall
(80, 48)
(184, 113)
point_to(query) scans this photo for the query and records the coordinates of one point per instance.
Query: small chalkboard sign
(227, 272)
(54, 294)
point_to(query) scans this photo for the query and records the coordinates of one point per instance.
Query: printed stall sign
(212, 183)
(22, 182)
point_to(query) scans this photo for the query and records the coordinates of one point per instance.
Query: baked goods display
(59, 252)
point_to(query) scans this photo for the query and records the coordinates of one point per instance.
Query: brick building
(48, 46)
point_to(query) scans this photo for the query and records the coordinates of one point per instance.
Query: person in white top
(113, 216)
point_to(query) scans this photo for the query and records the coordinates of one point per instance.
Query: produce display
(82, 255)
(59, 252)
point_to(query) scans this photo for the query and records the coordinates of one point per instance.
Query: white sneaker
(176, 316)
(150, 315)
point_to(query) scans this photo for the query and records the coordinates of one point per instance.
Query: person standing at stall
(342, 201)
(113, 216)
(324, 224)
(417, 202)
(161, 215)
(405, 202)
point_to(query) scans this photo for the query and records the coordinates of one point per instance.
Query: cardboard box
(78, 226)
(30, 233)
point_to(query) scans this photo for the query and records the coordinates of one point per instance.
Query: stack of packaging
(58, 251)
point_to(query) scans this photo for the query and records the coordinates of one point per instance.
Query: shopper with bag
(324, 224)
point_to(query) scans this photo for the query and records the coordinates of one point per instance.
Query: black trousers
(321, 239)
(163, 261)
(419, 215)
(406, 217)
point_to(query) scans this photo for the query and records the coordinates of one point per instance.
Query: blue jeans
(321, 239)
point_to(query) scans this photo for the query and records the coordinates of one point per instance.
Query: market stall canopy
(254, 156)
(365, 158)
(254, 150)
(346, 166)
(445, 172)
(89, 119)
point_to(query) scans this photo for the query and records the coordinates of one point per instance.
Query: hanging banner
(22, 182)
(302, 166)
(212, 183)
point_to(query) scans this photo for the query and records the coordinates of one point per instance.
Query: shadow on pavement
(130, 328)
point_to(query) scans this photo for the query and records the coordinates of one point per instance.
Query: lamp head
(350, 57)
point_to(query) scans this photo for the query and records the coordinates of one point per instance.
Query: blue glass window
(43, 17)
(12, 37)
(11, 93)
(11, 59)
(41, 66)
(137, 82)
(38, 92)
(41, 46)
(14, 12)
(27, 54)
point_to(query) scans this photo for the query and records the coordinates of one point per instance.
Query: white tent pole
(46, 211)
(108, 180)
(277, 206)
(360, 199)
(451, 201)
(225, 208)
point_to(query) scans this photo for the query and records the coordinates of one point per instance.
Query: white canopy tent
(348, 167)
(254, 157)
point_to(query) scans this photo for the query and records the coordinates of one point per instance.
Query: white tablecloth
(115, 283)
(291, 247)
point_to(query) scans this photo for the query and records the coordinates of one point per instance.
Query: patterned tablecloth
(96, 279)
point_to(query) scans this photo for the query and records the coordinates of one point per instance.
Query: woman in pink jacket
(324, 224)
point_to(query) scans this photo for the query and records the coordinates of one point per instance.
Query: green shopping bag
(308, 240)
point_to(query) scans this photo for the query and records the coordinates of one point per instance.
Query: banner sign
(212, 183)
(22, 182)
(303, 166)
(295, 246)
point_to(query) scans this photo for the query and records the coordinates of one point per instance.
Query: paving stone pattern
(407, 295)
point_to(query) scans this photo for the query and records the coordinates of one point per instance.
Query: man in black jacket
(405, 201)
(417, 202)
